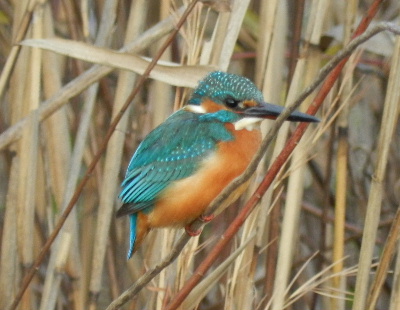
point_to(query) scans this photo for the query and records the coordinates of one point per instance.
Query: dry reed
(68, 68)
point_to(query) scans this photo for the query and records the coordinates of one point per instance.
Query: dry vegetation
(324, 235)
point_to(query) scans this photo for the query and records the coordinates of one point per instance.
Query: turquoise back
(171, 152)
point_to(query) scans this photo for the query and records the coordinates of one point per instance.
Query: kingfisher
(184, 163)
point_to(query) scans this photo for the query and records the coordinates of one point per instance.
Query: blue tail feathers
(132, 235)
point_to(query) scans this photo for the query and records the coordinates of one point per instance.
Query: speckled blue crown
(219, 85)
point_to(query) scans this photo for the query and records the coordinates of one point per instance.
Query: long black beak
(272, 111)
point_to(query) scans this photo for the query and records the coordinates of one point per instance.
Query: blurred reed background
(320, 237)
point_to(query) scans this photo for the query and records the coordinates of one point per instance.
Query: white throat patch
(194, 108)
(248, 123)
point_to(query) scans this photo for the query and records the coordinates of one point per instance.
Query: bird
(185, 162)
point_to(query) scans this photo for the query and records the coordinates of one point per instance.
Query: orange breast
(187, 199)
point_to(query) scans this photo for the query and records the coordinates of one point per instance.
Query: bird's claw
(206, 218)
(193, 233)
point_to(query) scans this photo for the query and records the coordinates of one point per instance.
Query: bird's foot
(206, 218)
(191, 232)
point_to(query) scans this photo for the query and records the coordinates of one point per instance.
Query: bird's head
(238, 96)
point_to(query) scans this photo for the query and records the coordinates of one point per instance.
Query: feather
(131, 208)
(132, 234)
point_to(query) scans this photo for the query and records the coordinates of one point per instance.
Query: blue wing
(171, 152)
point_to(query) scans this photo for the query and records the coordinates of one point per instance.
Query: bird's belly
(188, 198)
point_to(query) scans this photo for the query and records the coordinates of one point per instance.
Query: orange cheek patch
(211, 107)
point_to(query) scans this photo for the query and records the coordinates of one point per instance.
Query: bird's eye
(231, 102)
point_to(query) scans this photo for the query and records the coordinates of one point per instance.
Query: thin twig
(28, 278)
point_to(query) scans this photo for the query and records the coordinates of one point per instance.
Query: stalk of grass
(270, 75)
(113, 156)
(9, 275)
(390, 115)
(342, 161)
(239, 288)
(383, 266)
(340, 209)
(53, 275)
(268, 23)
(226, 33)
(295, 87)
(29, 150)
(274, 231)
(113, 151)
(395, 296)
(56, 127)
(56, 135)
(267, 17)
(200, 291)
(289, 233)
(317, 280)
(11, 256)
(87, 226)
